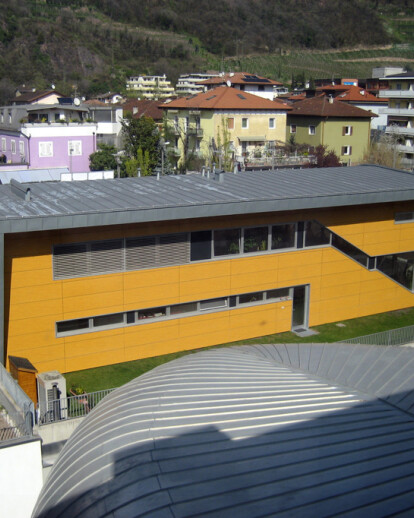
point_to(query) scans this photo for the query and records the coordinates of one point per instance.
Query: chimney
(330, 99)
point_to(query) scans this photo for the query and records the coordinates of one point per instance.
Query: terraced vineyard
(318, 64)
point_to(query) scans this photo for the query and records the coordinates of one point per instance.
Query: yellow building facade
(224, 121)
(168, 285)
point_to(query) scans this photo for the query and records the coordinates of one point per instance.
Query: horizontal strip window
(404, 217)
(124, 319)
(399, 267)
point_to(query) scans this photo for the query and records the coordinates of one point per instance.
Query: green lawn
(116, 375)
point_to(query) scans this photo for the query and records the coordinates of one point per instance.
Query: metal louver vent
(140, 253)
(173, 249)
(106, 256)
(70, 261)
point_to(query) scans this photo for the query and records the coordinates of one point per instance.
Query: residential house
(400, 112)
(43, 136)
(249, 83)
(110, 98)
(189, 84)
(150, 87)
(360, 98)
(337, 125)
(33, 96)
(225, 119)
(144, 108)
(107, 271)
(108, 118)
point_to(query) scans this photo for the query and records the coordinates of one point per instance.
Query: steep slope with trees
(90, 46)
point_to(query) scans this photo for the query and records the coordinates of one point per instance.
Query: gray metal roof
(296, 430)
(33, 175)
(107, 202)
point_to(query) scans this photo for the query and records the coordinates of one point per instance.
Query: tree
(325, 158)
(179, 131)
(103, 159)
(383, 151)
(141, 134)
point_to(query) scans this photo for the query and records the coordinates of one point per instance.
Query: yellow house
(224, 125)
(106, 271)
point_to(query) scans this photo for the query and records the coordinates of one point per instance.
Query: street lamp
(163, 145)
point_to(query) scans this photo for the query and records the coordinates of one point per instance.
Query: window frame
(293, 128)
(346, 151)
(48, 146)
(245, 123)
(272, 123)
(312, 129)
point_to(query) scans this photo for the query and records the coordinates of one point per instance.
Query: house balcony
(407, 112)
(408, 162)
(174, 151)
(194, 130)
(396, 94)
(405, 149)
(398, 130)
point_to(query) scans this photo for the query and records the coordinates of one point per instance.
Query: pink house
(47, 136)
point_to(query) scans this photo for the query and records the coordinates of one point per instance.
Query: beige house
(222, 122)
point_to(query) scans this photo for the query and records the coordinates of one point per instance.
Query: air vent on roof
(241, 96)
(209, 98)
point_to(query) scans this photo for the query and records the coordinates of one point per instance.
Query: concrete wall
(21, 477)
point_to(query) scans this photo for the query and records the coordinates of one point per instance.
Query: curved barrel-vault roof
(285, 430)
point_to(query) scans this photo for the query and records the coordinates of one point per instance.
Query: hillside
(91, 46)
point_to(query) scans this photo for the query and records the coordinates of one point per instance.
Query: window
(347, 131)
(293, 128)
(398, 86)
(261, 88)
(13, 147)
(200, 245)
(403, 217)
(312, 130)
(10, 118)
(21, 148)
(230, 123)
(75, 147)
(2, 117)
(255, 239)
(227, 242)
(283, 236)
(272, 124)
(45, 149)
(3, 144)
(316, 234)
(245, 123)
(206, 305)
(350, 250)
(138, 317)
(399, 267)
(346, 150)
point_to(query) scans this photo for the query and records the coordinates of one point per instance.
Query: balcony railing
(405, 149)
(399, 130)
(409, 112)
(397, 94)
(71, 407)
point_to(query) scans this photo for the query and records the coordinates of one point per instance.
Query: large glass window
(255, 239)
(349, 250)
(227, 242)
(399, 267)
(152, 313)
(316, 234)
(201, 245)
(213, 304)
(283, 236)
(72, 325)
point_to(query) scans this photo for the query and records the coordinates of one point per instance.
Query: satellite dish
(228, 83)
(76, 101)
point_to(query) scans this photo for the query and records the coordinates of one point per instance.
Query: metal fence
(18, 405)
(13, 426)
(400, 336)
(71, 407)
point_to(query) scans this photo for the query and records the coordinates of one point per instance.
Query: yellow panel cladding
(339, 289)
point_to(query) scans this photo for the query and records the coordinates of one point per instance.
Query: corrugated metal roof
(247, 431)
(101, 202)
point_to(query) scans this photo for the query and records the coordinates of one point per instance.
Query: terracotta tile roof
(240, 78)
(322, 107)
(351, 93)
(226, 98)
(145, 107)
